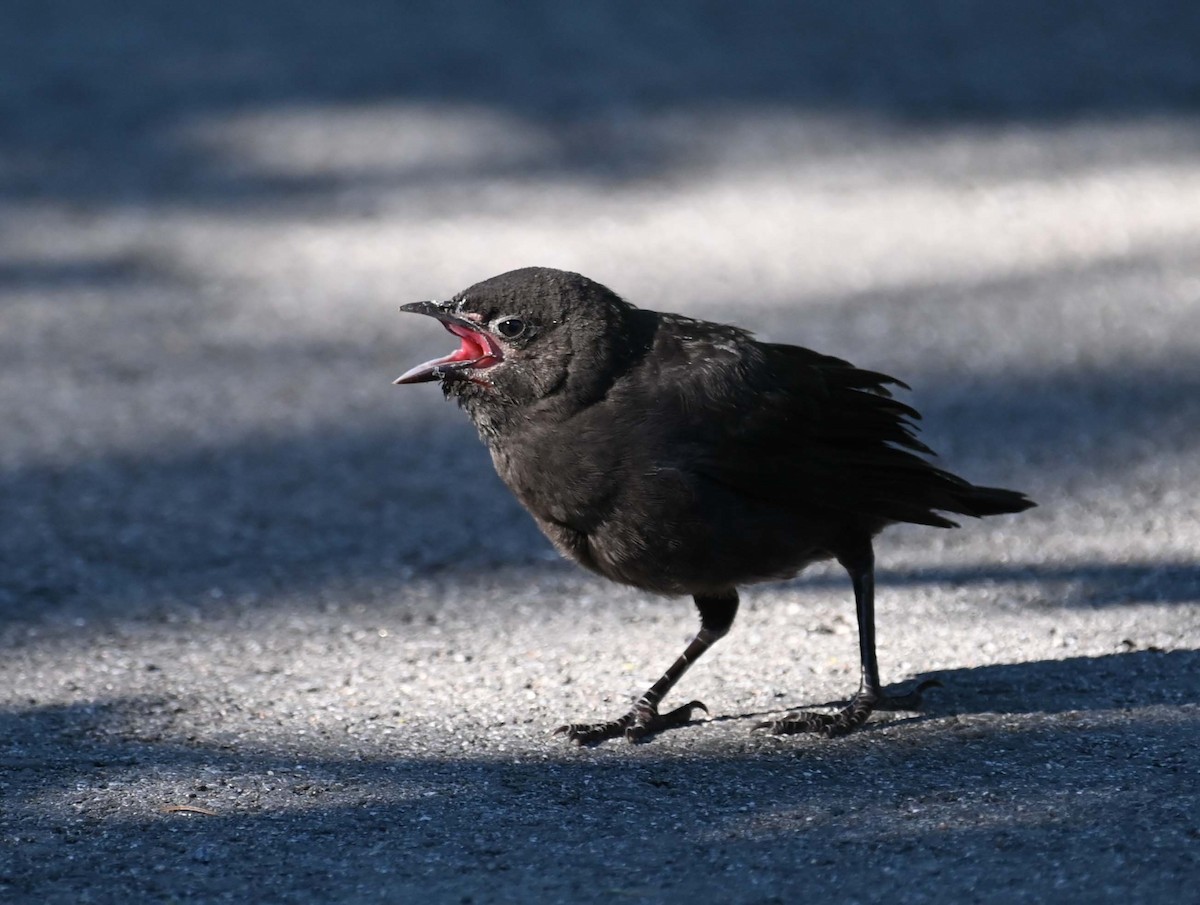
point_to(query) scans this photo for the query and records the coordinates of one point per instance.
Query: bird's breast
(560, 481)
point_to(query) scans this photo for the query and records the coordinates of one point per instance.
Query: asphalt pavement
(271, 630)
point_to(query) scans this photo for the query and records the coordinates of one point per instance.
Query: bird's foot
(829, 725)
(850, 717)
(642, 721)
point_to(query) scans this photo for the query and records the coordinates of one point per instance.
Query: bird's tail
(980, 501)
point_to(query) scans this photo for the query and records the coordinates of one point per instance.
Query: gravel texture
(270, 628)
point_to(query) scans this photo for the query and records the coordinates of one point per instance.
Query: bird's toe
(829, 725)
(635, 726)
(591, 733)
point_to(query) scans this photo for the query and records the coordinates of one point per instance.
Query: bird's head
(525, 336)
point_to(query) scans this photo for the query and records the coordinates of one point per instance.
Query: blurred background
(208, 216)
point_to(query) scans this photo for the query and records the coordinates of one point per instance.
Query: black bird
(685, 457)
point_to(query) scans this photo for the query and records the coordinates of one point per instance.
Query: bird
(685, 457)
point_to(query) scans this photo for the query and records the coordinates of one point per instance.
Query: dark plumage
(685, 457)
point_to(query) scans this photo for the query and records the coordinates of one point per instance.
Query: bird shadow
(1144, 678)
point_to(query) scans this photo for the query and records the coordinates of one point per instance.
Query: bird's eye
(510, 327)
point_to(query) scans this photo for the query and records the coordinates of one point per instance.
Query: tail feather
(980, 501)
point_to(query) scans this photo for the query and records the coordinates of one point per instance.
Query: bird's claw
(643, 721)
(850, 717)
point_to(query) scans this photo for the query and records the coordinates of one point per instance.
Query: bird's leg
(716, 616)
(869, 697)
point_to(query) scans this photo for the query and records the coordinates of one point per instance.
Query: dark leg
(716, 617)
(860, 563)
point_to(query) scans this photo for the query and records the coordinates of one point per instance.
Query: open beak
(478, 349)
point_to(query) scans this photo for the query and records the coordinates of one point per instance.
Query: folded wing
(811, 430)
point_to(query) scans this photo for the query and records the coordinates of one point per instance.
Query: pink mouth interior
(478, 350)
(476, 347)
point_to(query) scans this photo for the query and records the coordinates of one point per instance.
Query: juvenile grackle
(685, 457)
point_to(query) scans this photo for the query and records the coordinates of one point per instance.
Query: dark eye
(510, 327)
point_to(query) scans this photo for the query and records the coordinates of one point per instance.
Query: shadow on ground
(977, 805)
(1075, 685)
(572, 73)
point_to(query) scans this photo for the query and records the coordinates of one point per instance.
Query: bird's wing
(793, 427)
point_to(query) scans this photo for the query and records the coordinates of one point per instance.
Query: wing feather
(810, 430)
